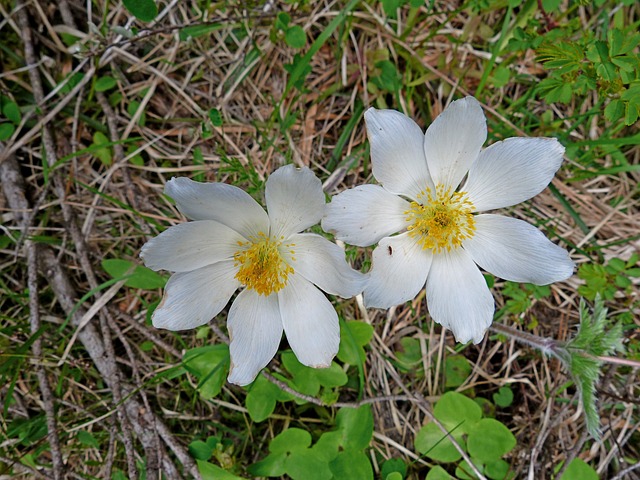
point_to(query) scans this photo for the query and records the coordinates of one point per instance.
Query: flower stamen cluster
(261, 266)
(441, 221)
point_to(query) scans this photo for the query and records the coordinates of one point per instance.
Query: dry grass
(107, 377)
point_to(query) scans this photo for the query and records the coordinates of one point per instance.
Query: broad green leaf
(210, 365)
(290, 440)
(87, 439)
(103, 153)
(12, 112)
(438, 473)
(614, 110)
(308, 380)
(433, 443)
(273, 465)
(137, 275)
(393, 465)
(295, 37)
(456, 370)
(209, 471)
(200, 450)
(354, 335)
(215, 117)
(579, 470)
(457, 412)
(498, 470)
(489, 440)
(352, 464)
(464, 471)
(504, 397)
(105, 83)
(304, 465)
(356, 426)
(6, 130)
(143, 10)
(261, 398)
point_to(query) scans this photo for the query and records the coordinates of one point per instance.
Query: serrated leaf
(143, 10)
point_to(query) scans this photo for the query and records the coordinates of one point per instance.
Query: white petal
(218, 201)
(310, 322)
(295, 200)
(363, 215)
(255, 330)
(323, 263)
(399, 271)
(190, 245)
(458, 297)
(512, 171)
(192, 299)
(516, 251)
(397, 152)
(453, 141)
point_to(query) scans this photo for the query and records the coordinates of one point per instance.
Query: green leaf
(105, 83)
(393, 465)
(143, 10)
(104, 154)
(614, 110)
(200, 450)
(87, 439)
(438, 473)
(195, 31)
(579, 470)
(12, 112)
(455, 410)
(208, 471)
(290, 440)
(497, 470)
(504, 397)
(433, 443)
(356, 427)
(352, 464)
(456, 370)
(308, 380)
(262, 397)
(354, 335)
(215, 117)
(273, 465)
(304, 465)
(210, 365)
(489, 440)
(137, 275)
(295, 37)
(6, 130)
(132, 110)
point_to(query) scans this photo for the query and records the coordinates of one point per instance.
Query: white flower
(442, 237)
(233, 243)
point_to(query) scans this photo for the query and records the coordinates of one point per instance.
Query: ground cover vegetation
(102, 103)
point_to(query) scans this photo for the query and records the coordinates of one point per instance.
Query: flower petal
(310, 322)
(218, 201)
(363, 215)
(295, 200)
(190, 245)
(458, 297)
(255, 330)
(453, 141)
(397, 152)
(512, 171)
(192, 299)
(399, 271)
(516, 251)
(323, 263)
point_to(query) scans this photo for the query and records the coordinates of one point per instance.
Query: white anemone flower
(442, 238)
(233, 243)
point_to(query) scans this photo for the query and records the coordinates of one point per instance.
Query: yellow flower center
(441, 221)
(261, 266)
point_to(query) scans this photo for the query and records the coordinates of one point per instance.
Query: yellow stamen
(261, 266)
(441, 221)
